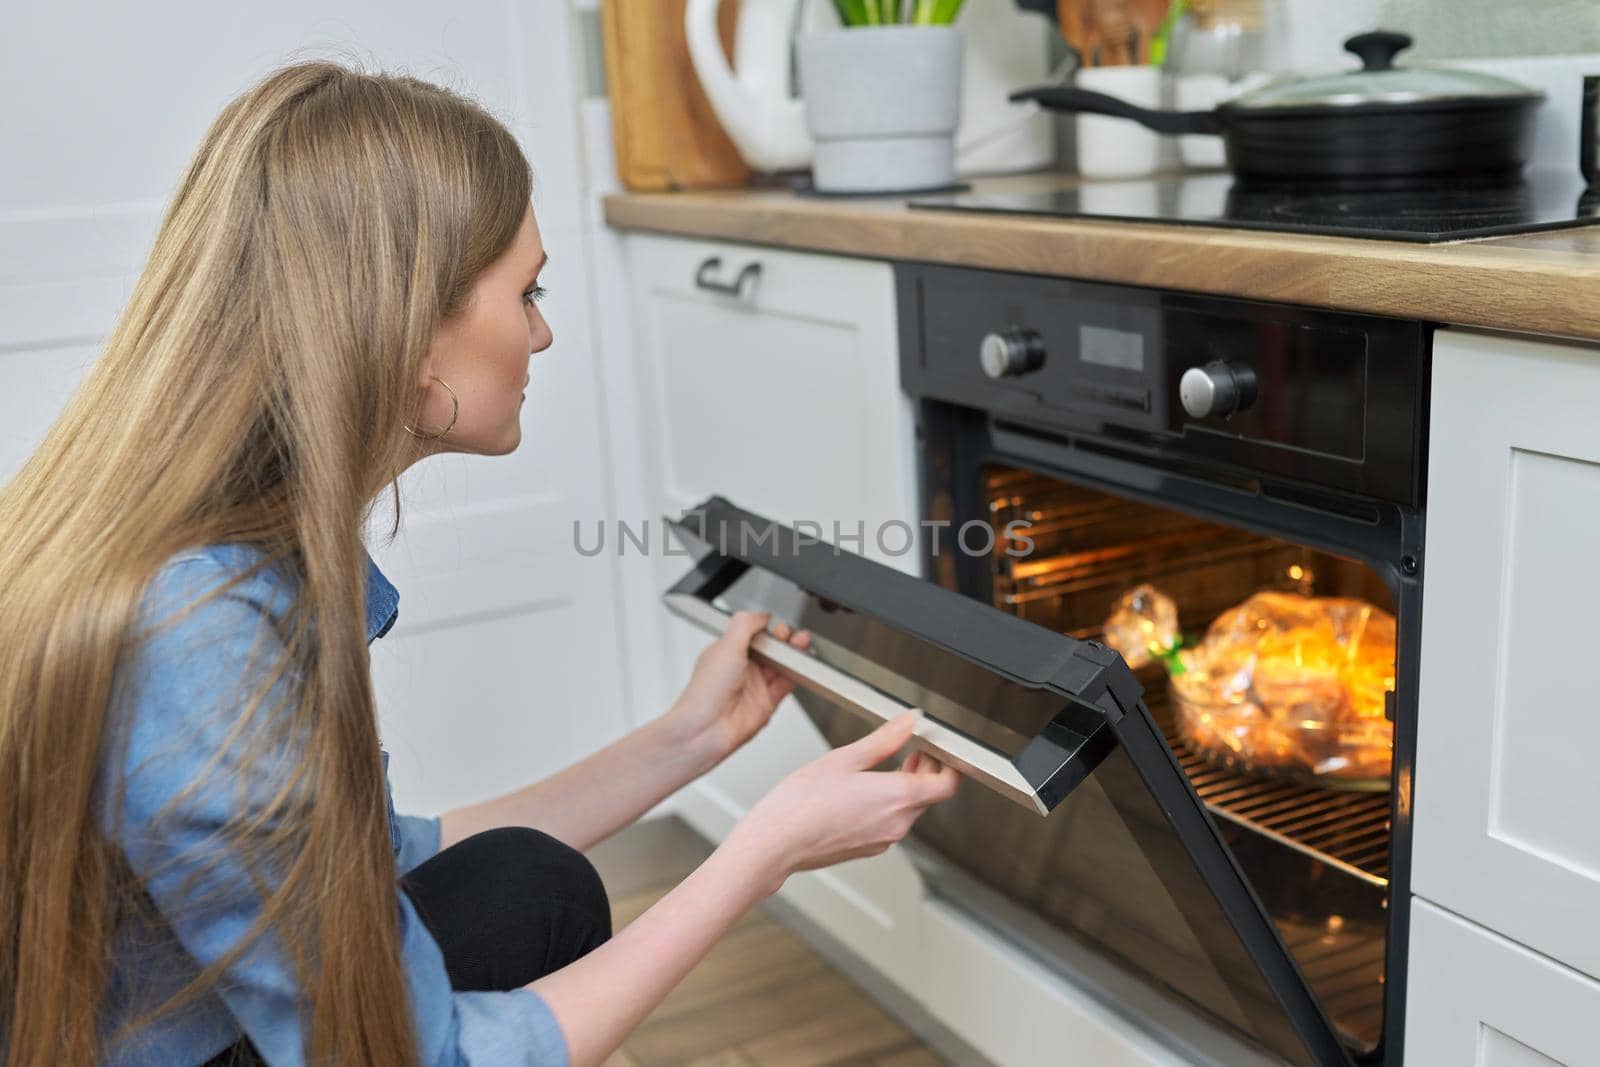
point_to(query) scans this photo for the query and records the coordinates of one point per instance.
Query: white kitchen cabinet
(785, 400)
(1509, 721)
(1474, 997)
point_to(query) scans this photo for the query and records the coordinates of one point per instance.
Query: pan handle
(1071, 98)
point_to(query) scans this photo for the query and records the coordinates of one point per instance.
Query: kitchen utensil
(752, 96)
(1236, 39)
(1220, 49)
(664, 133)
(1108, 33)
(1006, 49)
(1382, 124)
(1109, 147)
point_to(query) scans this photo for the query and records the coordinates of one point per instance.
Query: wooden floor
(762, 998)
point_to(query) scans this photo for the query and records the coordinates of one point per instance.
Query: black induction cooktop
(1440, 212)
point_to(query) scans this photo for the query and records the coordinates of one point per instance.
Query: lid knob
(1378, 48)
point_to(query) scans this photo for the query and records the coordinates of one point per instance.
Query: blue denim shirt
(164, 730)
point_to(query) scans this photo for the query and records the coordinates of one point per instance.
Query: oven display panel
(1105, 347)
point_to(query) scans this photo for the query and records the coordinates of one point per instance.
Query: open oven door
(1041, 721)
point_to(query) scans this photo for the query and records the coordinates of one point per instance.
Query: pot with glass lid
(1380, 125)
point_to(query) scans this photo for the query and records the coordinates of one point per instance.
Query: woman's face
(483, 351)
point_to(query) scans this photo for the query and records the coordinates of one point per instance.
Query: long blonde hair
(255, 388)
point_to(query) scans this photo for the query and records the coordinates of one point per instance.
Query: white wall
(507, 661)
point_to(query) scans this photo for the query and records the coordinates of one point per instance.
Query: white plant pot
(882, 104)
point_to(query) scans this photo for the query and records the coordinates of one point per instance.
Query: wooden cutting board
(664, 133)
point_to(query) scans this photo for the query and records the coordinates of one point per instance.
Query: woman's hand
(829, 810)
(837, 807)
(729, 696)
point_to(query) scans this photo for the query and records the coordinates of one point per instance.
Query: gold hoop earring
(455, 411)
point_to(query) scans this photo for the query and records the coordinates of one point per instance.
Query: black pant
(506, 906)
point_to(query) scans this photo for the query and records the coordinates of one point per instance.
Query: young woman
(198, 857)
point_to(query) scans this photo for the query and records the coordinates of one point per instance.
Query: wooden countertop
(1539, 283)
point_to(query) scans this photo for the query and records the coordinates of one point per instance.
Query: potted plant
(883, 96)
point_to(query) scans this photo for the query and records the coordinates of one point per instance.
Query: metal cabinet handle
(703, 277)
(986, 765)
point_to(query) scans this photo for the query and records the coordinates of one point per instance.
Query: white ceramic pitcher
(752, 98)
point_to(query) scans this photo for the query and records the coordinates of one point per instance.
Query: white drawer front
(1475, 999)
(1016, 1012)
(786, 399)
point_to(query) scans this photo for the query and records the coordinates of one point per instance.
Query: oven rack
(1347, 830)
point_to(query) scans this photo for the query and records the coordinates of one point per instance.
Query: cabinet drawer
(1475, 998)
(782, 390)
(1018, 1013)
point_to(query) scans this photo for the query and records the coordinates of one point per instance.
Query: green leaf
(854, 12)
(892, 12)
(936, 12)
(1163, 34)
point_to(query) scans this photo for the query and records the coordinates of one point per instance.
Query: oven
(1087, 451)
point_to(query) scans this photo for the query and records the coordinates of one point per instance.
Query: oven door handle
(991, 768)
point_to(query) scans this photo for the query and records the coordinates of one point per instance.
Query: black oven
(1209, 448)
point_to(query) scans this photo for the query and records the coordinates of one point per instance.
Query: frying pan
(1379, 126)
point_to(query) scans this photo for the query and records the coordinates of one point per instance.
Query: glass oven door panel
(1077, 806)
(1028, 742)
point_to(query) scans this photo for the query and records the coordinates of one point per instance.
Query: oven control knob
(1217, 389)
(1009, 353)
